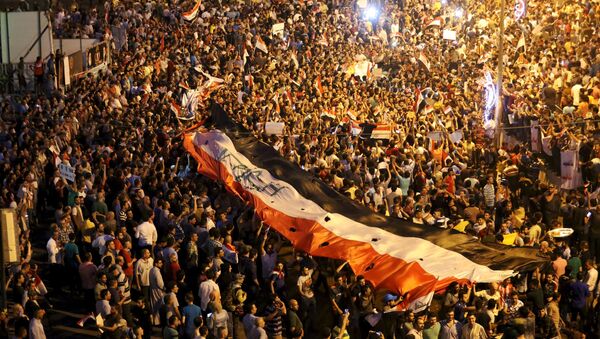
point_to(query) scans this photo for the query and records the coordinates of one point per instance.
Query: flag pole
(498, 117)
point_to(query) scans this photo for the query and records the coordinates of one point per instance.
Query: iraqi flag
(424, 62)
(411, 260)
(181, 113)
(249, 80)
(355, 128)
(423, 101)
(436, 22)
(329, 113)
(382, 131)
(260, 44)
(189, 103)
(192, 14)
(319, 85)
(521, 47)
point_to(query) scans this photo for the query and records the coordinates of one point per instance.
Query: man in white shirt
(142, 273)
(56, 269)
(591, 276)
(207, 290)
(53, 248)
(491, 293)
(146, 233)
(36, 329)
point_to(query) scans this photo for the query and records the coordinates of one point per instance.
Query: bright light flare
(371, 13)
(490, 97)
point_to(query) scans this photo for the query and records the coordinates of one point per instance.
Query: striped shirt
(274, 326)
(489, 193)
(124, 288)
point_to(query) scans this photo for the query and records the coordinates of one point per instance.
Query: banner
(260, 44)
(277, 29)
(435, 136)
(66, 70)
(424, 61)
(449, 35)
(408, 259)
(75, 64)
(274, 128)
(119, 34)
(66, 172)
(570, 174)
(456, 136)
(96, 55)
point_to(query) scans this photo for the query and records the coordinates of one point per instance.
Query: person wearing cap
(390, 301)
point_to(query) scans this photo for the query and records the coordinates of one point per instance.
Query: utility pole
(500, 70)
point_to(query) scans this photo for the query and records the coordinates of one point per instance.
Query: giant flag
(414, 261)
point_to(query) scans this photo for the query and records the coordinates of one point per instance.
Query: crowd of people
(141, 239)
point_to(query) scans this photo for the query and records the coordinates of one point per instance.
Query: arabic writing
(250, 178)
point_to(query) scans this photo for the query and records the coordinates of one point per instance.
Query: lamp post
(500, 70)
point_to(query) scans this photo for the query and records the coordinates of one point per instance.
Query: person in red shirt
(174, 268)
(449, 180)
(128, 260)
